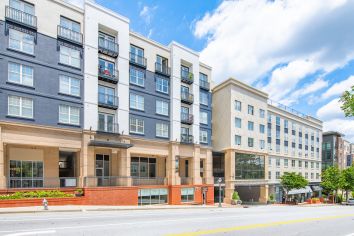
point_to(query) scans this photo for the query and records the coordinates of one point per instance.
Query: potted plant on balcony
(79, 192)
(236, 199)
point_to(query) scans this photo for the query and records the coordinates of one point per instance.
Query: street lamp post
(219, 181)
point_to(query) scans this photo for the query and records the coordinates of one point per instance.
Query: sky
(300, 52)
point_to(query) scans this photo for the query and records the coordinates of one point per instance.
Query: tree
(348, 102)
(347, 180)
(331, 180)
(291, 181)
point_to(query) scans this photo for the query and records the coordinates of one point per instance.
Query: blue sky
(301, 55)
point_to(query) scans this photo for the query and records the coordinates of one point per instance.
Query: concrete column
(264, 193)
(208, 168)
(2, 162)
(266, 167)
(171, 171)
(196, 166)
(229, 175)
(124, 161)
(87, 160)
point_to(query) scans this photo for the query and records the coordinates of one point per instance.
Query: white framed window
(137, 77)
(21, 41)
(277, 175)
(237, 105)
(277, 162)
(162, 107)
(162, 85)
(203, 136)
(237, 122)
(137, 102)
(286, 162)
(20, 74)
(250, 126)
(69, 115)
(262, 144)
(106, 122)
(136, 126)
(250, 142)
(204, 99)
(70, 56)
(269, 175)
(261, 113)
(250, 110)
(261, 129)
(203, 117)
(237, 140)
(20, 106)
(162, 130)
(69, 85)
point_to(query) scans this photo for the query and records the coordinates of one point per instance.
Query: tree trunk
(346, 197)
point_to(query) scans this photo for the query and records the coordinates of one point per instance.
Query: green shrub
(235, 196)
(271, 197)
(36, 194)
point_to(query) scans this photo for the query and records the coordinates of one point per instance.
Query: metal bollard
(45, 204)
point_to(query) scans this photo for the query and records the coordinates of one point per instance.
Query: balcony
(108, 101)
(108, 128)
(70, 35)
(137, 60)
(138, 181)
(108, 47)
(107, 75)
(105, 181)
(187, 118)
(162, 69)
(186, 139)
(187, 98)
(187, 77)
(186, 180)
(20, 17)
(204, 84)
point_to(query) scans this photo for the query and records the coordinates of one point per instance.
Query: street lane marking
(33, 233)
(261, 225)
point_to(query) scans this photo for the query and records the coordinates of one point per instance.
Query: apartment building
(91, 104)
(259, 140)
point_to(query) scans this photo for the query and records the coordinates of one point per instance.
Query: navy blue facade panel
(46, 72)
(150, 97)
(207, 109)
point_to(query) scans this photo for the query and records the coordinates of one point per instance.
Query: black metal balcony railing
(187, 118)
(41, 182)
(137, 181)
(108, 75)
(162, 69)
(187, 77)
(20, 17)
(108, 47)
(204, 84)
(70, 35)
(137, 60)
(109, 128)
(186, 138)
(187, 97)
(104, 181)
(108, 101)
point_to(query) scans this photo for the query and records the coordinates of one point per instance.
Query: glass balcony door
(106, 95)
(106, 67)
(105, 122)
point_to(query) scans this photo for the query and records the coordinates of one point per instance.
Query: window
(21, 41)
(317, 165)
(105, 122)
(293, 163)
(143, 167)
(162, 107)
(203, 117)
(250, 110)
(261, 129)
(26, 174)
(106, 68)
(312, 165)
(270, 161)
(277, 175)
(317, 176)
(300, 164)
(249, 166)
(306, 175)
(237, 140)
(250, 125)
(250, 142)
(69, 115)
(20, 106)
(152, 196)
(162, 64)
(306, 164)
(22, 6)
(261, 113)
(69, 56)
(204, 98)
(69, 24)
(68, 85)
(107, 41)
(262, 144)
(20, 74)
(312, 175)
(106, 95)
(237, 122)
(136, 102)
(137, 77)
(286, 162)
(187, 194)
(277, 120)
(161, 85)
(203, 136)
(136, 51)
(269, 175)
(237, 105)
(136, 126)
(277, 162)
(162, 130)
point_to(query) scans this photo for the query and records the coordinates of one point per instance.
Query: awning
(109, 144)
(316, 188)
(307, 189)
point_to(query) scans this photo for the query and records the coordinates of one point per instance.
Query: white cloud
(247, 39)
(330, 111)
(147, 13)
(344, 126)
(339, 88)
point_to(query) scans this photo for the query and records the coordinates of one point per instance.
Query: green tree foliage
(331, 180)
(291, 181)
(347, 180)
(348, 102)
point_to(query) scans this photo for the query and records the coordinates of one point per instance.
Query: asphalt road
(253, 221)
